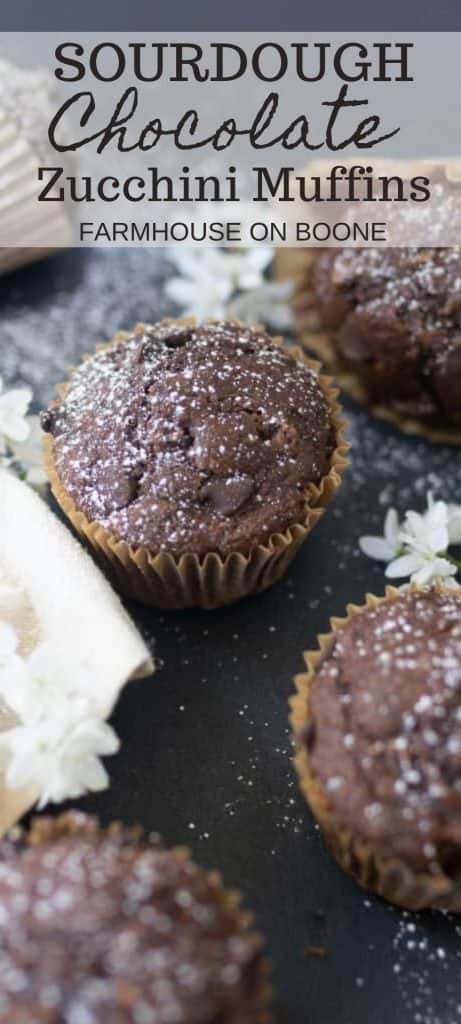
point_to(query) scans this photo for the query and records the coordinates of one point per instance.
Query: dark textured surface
(206, 756)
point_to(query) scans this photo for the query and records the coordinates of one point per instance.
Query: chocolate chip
(285, 437)
(169, 436)
(307, 735)
(47, 421)
(267, 427)
(124, 490)
(177, 338)
(195, 407)
(228, 496)
(120, 488)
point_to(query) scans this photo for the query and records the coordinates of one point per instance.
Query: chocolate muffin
(393, 323)
(105, 927)
(378, 724)
(188, 440)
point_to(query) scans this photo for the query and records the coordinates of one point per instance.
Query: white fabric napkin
(66, 603)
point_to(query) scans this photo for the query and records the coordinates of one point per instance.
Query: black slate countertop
(206, 751)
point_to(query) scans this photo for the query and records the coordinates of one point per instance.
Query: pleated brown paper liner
(293, 264)
(61, 599)
(44, 830)
(389, 877)
(161, 579)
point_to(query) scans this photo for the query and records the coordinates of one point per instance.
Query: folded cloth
(29, 230)
(72, 628)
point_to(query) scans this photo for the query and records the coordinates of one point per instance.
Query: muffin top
(104, 928)
(384, 737)
(420, 285)
(192, 438)
(395, 315)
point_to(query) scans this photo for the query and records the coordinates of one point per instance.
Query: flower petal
(377, 547)
(392, 528)
(93, 775)
(29, 453)
(267, 304)
(404, 566)
(13, 409)
(204, 299)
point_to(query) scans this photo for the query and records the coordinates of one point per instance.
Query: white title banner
(240, 138)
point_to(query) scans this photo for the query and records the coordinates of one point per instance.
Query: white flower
(267, 304)
(57, 751)
(22, 688)
(424, 539)
(42, 681)
(14, 676)
(422, 568)
(13, 410)
(60, 733)
(241, 269)
(191, 262)
(385, 548)
(244, 267)
(20, 436)
(200, 298)
(211, 274)
(418, 547)
(427, 532)
(29, 453)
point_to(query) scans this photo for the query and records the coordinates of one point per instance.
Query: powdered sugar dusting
(394, 318)
(102, 926)
(424, 283)
(262, 835)
(192, 438)
(386, 716)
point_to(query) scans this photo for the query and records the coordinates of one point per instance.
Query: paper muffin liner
(389, 877)
(43, 829)
(210, 581)
(22, 217)
(294, 263)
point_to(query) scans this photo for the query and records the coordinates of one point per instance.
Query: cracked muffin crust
(394, 320)
(104, 927)
(190, 438)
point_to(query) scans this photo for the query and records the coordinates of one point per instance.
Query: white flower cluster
(20, 435)
(418, 546)
(216, 282)
(59, 734)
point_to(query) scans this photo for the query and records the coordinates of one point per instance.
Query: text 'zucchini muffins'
(377, 720)
(102, 927)
(194, 459)
(392, 323)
